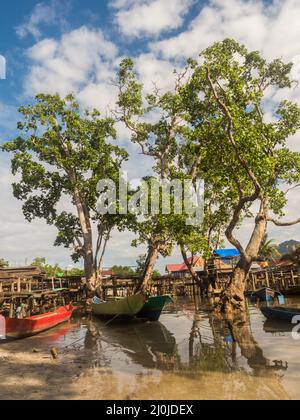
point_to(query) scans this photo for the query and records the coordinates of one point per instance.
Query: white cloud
(273, 29)
(84, 61)
(137, 18)
(152, 70)
(80, 62)
(43, 14)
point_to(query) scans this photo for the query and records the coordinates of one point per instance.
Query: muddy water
(189, 354)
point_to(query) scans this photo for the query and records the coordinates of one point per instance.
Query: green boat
(153, 308)
(119, 307)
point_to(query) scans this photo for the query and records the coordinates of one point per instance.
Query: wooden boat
(266, 294)
(119, 307)
(281, 313)
(26, 327)
(154, 307)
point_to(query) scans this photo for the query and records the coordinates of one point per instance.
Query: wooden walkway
(28, 282)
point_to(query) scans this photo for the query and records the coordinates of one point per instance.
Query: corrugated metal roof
(227, 253)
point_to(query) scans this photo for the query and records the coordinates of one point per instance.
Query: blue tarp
(227, 253)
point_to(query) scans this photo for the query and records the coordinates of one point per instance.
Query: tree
(50, 270)
(293, 256)
(76, 272)
(242, 156)
(156, 140)
(141, 264)
(39, 262)
(268, 249)
(153, 230)
(61, 154)
(3, 263)
(159, 139)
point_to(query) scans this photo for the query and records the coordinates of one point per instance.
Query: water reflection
(238, 333)
(150, 345)
(189, 349)
(153, 346)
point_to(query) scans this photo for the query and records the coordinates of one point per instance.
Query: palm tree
(268, 249)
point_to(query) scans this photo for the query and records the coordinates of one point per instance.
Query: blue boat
(154, 307)
(266, 294)
(280, 313)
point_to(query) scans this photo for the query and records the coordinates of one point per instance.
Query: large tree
(61, 154)
(243, 153)
(156, 121)
(157, 140)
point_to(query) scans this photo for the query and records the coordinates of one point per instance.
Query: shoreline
(26, 375)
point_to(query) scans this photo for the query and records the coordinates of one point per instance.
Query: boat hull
(282, 314)
(153, 308)
(21, 328)
(125, 307)
(264, 295)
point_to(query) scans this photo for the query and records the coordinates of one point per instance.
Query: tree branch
(242, 161)
(279, 223)
(292, 188)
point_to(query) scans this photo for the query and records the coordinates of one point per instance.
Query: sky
(74, 46)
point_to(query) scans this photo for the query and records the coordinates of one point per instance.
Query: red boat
(21, 328)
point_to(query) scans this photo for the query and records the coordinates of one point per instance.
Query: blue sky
(69, 15)
(75, 45)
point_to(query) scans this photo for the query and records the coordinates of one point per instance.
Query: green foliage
(61, 155)
(213, 126)
(54, 270)
(141, 264)
(136, 108)
(50, 270)
(39, 262)
(123, 271)
(76, 272)
(3, 263)
(244, 155)
(155, 121)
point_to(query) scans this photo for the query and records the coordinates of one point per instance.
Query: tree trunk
(241, 334)
(98, 269)
(149, 268)
(85, 224)
(190, 267)
(233, 298)
(89, 268)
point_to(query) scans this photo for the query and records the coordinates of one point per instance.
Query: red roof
(175, 268)
(280, 263)
(107, 273)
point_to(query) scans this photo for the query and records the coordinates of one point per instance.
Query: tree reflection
(237, 332)
(211, 346)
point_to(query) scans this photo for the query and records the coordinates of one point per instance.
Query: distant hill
(287, 246)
